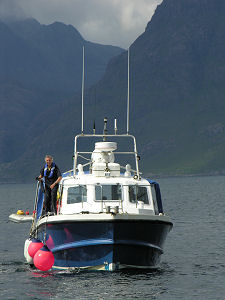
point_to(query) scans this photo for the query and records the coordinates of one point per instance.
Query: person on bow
(52, 176)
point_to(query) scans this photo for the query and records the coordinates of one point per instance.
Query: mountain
(177, 97)
(40, 67)
(177, 79)
(49, 57)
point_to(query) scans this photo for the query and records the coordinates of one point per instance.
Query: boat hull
(110, 244)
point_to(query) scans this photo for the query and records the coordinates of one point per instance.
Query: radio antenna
(82, 98)
(128, 88)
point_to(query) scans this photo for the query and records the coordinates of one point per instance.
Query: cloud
(116, 22)
(10, 9)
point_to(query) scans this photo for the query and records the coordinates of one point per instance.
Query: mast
(128, 88)
(82, 98)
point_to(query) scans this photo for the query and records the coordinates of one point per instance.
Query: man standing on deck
(52, 176)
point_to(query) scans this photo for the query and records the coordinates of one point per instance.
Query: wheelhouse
(128, 196)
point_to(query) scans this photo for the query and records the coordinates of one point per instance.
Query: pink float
(44, 259)
(34, 246)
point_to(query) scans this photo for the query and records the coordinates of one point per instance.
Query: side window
(156, 195)
(138, 193)
(98, 192)
(77, 194)
(108, 192)
(154, 198)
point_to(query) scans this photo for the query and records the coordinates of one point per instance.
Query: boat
(20, 218)
(108, 216)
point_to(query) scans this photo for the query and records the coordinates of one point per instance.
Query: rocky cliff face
(49, 57)
(177, 87)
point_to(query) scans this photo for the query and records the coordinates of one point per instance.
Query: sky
(113, 22)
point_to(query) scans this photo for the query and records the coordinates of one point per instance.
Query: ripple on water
(193, 264)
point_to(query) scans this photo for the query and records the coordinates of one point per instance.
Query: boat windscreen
(77, 194)
(138, 193)
(108, 192)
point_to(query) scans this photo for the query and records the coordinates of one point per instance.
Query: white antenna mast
(82, 98)
(128, 88)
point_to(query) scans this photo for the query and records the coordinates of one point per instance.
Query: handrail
(104, 136)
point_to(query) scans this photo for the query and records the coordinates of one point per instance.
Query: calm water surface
(192, 267)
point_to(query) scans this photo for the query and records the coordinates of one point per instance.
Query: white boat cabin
(104, 188)
(120, 194)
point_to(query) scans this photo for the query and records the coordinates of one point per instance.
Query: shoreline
(145, 175)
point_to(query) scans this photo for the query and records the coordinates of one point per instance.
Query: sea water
(192, 266)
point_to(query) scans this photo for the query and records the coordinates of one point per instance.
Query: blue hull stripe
(105, 260)
(86, 243)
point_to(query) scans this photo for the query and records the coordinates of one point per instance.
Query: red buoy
(34, 246)
(44, 259)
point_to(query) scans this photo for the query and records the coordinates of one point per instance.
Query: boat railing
(105, 136)
(36, 196)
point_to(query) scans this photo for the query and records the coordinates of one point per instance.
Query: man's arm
(56, 182)
(41, 174)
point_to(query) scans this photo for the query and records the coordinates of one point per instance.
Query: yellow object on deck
(20, 212)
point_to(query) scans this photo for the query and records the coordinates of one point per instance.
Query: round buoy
(34, 246)
(44, 259)
(27, 212)
(20, 212)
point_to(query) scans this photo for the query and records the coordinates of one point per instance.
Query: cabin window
(154, 198)
(138, 193)
(108, 192)
(77, 194)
